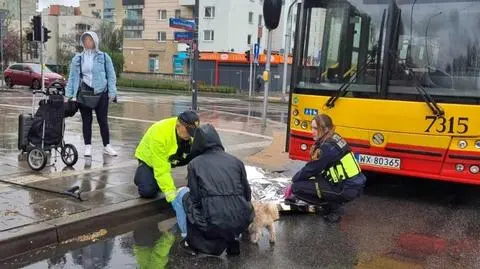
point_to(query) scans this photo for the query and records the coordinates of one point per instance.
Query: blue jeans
(177, 205)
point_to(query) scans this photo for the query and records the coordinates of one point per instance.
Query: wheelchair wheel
(37, 159)
(69, 155)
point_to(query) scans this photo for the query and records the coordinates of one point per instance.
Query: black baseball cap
(190, 120)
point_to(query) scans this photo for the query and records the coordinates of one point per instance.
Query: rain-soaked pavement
(398, 223)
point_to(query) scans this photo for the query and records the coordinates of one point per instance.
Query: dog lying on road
(265, 216)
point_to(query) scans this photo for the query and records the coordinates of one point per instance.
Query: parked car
(29, 74)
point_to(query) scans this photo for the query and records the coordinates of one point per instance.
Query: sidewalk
(31, 219)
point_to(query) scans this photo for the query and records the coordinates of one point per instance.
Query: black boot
(233, 248)
(186, 249)
(332, 217)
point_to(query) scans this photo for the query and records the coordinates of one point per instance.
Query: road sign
(188, 25)
(183, 36)
(256, 50)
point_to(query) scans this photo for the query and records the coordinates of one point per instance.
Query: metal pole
(288, 34)
(195, 58)
(21, 29)
(267, 82)
(250, 85)
(1, 45)
(41, 53)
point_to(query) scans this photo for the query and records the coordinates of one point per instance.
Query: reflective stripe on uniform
(317, 187)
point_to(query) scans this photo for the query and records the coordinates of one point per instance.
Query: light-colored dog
(265, 216)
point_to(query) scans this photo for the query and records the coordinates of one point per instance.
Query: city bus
(400, 79)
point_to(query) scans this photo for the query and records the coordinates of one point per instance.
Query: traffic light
(37, 28)
(45, 34)
(247, 55)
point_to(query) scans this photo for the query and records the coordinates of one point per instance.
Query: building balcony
(133, 22)
(133, 2)
(186, 2)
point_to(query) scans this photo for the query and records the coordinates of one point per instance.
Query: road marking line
(151, 121)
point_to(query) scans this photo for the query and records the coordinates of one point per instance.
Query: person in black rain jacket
(218, 206)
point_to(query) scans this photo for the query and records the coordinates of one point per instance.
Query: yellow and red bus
(400, 78)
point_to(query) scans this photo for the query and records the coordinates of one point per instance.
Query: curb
(25, 239)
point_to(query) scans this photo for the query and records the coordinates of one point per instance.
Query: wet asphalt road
(398, 223)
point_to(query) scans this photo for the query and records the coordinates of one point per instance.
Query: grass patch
(171, 85)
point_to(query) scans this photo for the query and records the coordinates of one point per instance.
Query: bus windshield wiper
(374, 54)
(432, 104)
(342, 91)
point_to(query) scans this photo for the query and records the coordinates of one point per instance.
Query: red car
(29, 74)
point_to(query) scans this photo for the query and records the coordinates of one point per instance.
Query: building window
(249, 39)
(208, 35)
(162, 36)
(132, 34)
(134, 14)
(260, 20)
(210, 12)
(162, 14)
(250, 17)
(91, 5)
(178, 13)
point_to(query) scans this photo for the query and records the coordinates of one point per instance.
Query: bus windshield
(391, 47)
(439, 41)
(339, 38)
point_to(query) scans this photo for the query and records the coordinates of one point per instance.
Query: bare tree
(67, 46)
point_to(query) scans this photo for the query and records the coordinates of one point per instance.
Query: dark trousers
(145, 181)
(213, 243)
(102, 118)
(331, 196)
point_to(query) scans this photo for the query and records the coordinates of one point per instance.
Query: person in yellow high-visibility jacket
(165, 145)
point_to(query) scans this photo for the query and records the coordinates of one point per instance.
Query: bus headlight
(295, 112)
(303, 147)
(462, 144)
(477, 144)
(474, 169)
(459, 167)
(304, 125)
(296, 122)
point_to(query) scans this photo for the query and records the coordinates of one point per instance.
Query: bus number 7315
(452, 125)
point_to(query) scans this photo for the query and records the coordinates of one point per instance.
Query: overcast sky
(45, 3)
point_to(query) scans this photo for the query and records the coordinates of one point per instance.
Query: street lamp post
(21, 34)
(196, 54)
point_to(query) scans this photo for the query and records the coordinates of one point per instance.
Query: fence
(236, 76)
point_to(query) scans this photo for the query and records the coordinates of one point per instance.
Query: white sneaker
(88, 150)
(108, 150)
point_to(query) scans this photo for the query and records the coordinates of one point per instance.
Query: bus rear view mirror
(271, 13)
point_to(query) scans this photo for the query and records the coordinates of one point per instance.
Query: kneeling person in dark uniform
(333, 176)
(217, 206)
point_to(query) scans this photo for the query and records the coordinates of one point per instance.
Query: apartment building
(13, 7)
(65, 23)
(224, 26)
(230, 25)
(149, 44)
(92, 8)
(107, 10)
